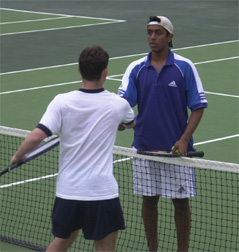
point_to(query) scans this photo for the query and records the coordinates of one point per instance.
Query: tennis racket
(173, 155)
(41, 149)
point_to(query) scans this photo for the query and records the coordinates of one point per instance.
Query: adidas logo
(172, 84)
(181, 190)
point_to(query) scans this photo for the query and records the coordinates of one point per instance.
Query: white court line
(58, 14)
(109, 21)
(211, 44)
(114, 79)
(41, 87)
(216, 60)
(60, 28)
(36, 69)
(30, 20)
(111, 78)
(28, 180)
(217, 139)
(119, 57)
(36, 12)
(122, 57)
(50, 176)
(220, 94)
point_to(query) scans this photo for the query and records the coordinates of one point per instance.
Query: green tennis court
(41, 42)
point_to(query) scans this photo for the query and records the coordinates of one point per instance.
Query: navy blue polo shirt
(163, 100)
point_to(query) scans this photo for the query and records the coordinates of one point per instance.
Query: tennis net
(28, 193)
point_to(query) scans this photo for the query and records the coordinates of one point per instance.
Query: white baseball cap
(164, 22)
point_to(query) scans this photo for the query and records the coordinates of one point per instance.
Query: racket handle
(10, 167)
(3, 172)
(195, 154)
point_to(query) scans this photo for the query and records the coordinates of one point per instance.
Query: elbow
(37, 136)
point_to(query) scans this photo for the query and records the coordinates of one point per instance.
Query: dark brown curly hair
(92, 61)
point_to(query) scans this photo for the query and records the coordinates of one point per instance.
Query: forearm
(193, 122)
(182, 144)
(29, 144)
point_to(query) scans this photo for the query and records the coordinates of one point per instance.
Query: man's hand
(121, 127)
(15, 159)
(180, 147)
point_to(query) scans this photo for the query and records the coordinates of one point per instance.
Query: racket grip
(10, 167)
(3, 172)
(195, 154)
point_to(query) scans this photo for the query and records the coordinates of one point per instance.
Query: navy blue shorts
(97, 219)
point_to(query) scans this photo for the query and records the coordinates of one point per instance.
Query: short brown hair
(92, 61)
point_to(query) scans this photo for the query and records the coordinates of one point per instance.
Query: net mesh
(28, 193)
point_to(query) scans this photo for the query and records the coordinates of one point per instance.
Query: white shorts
(167, 180)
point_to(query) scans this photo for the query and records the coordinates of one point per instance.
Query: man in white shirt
(87, 119)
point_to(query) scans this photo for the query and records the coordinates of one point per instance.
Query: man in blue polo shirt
(164, 85)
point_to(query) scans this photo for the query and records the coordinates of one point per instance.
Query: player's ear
(170, 37)
(79, 70)
(105, 72)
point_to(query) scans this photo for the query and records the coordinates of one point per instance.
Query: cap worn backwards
(164, 22)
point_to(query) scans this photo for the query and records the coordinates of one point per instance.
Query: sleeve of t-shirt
(127, 89)
(52, 118)
(194, 89)
(128, 113)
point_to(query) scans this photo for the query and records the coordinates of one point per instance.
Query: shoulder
(63, 98)
(185, 65)
(112, 95)
(178, 59)
(67, 95)
(115, 98)
(139, 61)
(137, 64)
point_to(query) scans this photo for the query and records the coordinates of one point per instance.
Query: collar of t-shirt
(92, 90)
(170, 59)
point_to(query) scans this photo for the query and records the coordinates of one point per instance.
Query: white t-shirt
(88, 124)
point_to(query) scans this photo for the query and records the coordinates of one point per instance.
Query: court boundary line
(108, 78)
(41, 87)
(34, 20)
(113, 79)
(216, 60)
(220, 94)
(59, 14)
(216, 140)
(60, 28)
(109, 21)
(119, 57)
